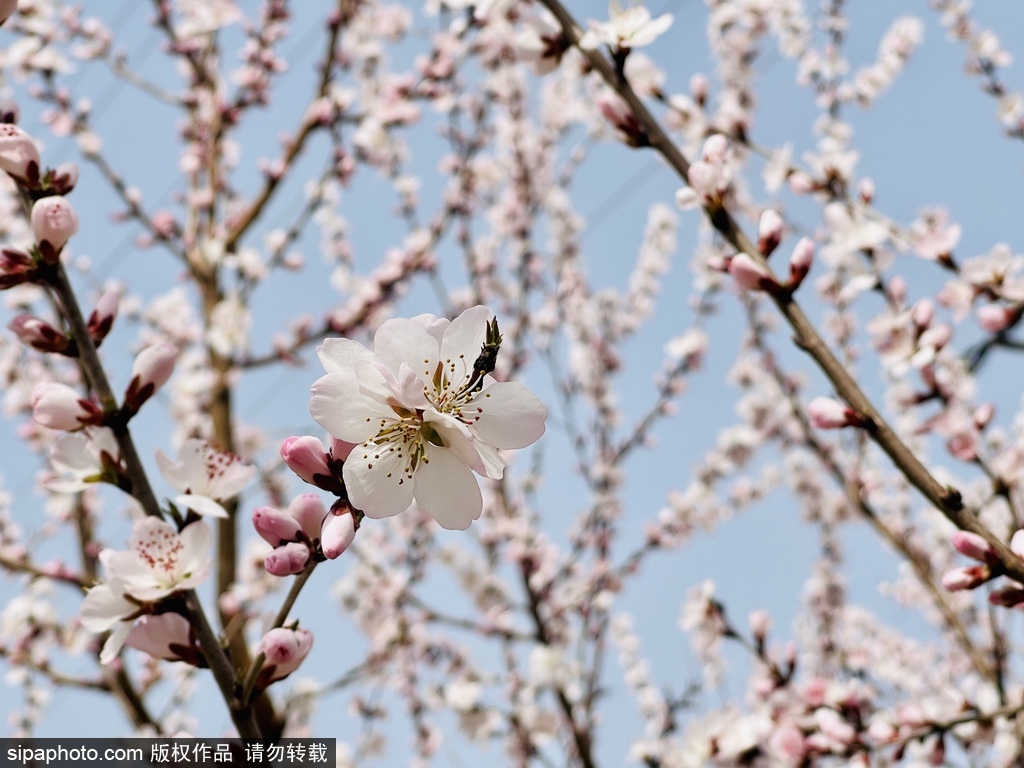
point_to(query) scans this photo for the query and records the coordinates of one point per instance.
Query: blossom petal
(447, 490)
(400, 341)
(103, 607)
(115, 642)
(201, 505)
(181, 473)
(377, 483)
(508, 415)
(342, 409)
(194, 562)
(650, 31)
(462, 342)
(339, 355)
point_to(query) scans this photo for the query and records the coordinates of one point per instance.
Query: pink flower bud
(1007, 597)
(152, 368)
(769, 231)
(866, 190)
(65, 177)
(7, 9)
(936, 337)
(40, 335)
(54, 221)
(760, 622)
(164, 636)
(699, 88)
(801, 183)
(274, 526)
(617, 112)
(15, 268)
(826, 413)
(702, 177)
(288, 559)
(994, 317)
(284, 650)
(969, 577)
(800, 262)
(975, 547)
(102, 318)
(923, 313)
(339, 530)
(309, 512)
(1017, 543)
(340, 449)
(898, 289)
(715, 148)
(306, 457)
(58, 406)
(18, 154)
(983, 415)
(882, 731)
(750, 275)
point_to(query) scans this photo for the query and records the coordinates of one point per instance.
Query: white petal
(196, 539)
(508, 415)
(447, 490)
(457, 438)
(462, 342)
(590, 40)
(377, 482)
(436, 326)
(103, 607)
(647, 33)
(131, 573)
(188, 469)
(226, 475)
(338, 406)
(201, 505)
(339, 355)
(400, 341)
(115, 642)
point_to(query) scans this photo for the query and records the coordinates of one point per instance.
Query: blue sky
(932, 139)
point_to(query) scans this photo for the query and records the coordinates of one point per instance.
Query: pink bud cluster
(973, 576)
(753, 274)
(303, 533)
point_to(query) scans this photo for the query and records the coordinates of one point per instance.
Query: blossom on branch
(159, 562)
(426, 414)
(204, 476)
(89, 456)
(283, 650)
(54, 222)
(19, 157)
(152, 368)
(627, 28)
(58, 406)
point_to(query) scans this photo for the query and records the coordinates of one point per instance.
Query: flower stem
(282, 615)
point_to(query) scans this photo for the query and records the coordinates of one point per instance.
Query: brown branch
(248, 217)
(945, 499)
(918, 561)
(141, 489)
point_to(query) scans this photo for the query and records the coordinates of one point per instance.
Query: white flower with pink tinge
(205, 476)
(629, 27)
(423, 418)
(159, 562)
